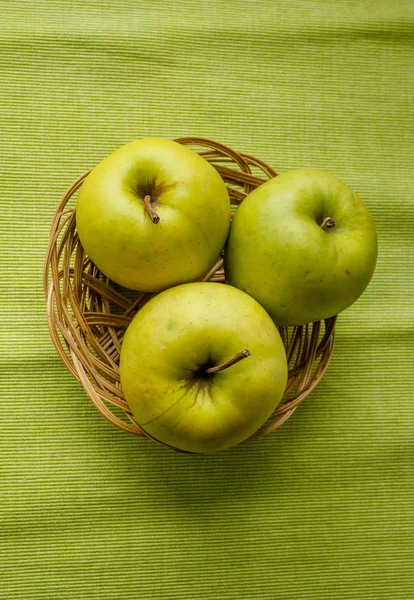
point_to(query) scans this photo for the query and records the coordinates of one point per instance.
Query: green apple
(153, 214)
(202, 367)
(303, 245)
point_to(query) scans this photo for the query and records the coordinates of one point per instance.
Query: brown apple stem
(149, 210)
(328, 223)
(239, 356)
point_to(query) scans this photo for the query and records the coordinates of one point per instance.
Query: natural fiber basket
(88, 314)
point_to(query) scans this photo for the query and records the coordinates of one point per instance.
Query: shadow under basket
(88, 314)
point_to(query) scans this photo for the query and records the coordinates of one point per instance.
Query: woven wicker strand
(88, 314)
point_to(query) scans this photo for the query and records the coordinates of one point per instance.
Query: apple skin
(189, 197)
(170, 342)
(278, 253)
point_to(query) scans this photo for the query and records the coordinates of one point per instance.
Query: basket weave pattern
(88, 314)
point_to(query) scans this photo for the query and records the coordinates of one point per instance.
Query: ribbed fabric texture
(322, 508)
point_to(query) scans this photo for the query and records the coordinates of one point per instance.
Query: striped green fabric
(322, 508)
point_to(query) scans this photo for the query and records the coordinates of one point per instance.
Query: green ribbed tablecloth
(322, 509)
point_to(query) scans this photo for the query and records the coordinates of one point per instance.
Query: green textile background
(321, 509)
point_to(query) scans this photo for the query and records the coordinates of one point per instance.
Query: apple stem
(328, 223)
(149, 210)
(239, 356)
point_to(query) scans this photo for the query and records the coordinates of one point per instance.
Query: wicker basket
(88, 314)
